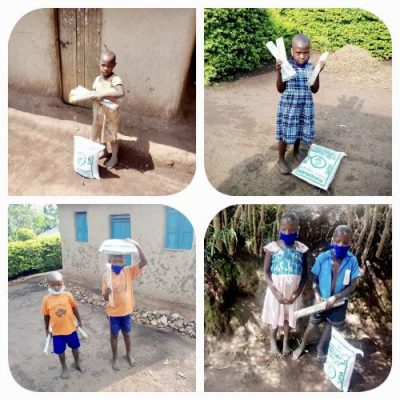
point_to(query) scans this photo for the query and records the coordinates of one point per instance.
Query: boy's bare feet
(115, 364)
(64, 373)
(283, 167)
(131, 360)
(111, 163)
(77, 365)
(298, 352)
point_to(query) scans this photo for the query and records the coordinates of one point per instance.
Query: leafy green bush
(332, 28)
(234, 39)
(23, 234)
(35, 255)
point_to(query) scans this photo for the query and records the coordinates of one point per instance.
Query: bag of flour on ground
(340, 362)
(86, 157)
(120, 246)
(320, 166)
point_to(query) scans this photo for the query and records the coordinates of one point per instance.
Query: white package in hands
(320, 166)
(109, 284)
(317, 69)
(340, 361)
(86, 157)
(279, 52)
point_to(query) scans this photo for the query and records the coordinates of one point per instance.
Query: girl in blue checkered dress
(295, 117)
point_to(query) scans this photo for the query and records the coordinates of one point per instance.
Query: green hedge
(234, 39)
(332, 28)
(36, 255)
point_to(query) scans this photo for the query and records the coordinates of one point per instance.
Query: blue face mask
(340, 251)
(117, 268)
(53, 292)
(288, 238)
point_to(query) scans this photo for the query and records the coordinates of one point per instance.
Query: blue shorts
(60, 342)
(335, 316)
(123, 324)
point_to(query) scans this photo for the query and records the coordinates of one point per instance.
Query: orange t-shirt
(59, 308)
(122, 291)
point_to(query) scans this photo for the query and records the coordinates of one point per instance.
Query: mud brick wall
(170, 274)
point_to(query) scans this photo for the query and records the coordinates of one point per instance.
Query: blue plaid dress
(295, 117)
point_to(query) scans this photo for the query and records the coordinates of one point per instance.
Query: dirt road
(165, 360)
(155, 157)
(242, 362)
(240, 146)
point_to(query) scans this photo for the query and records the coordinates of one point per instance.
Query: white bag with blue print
(320, 166)
(86, 157)
(340, 362)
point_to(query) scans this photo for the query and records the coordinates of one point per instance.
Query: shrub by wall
(32, 256)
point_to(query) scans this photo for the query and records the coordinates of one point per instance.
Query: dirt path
(243, 363)
(165, 361)
(240, 146)
(155, 158)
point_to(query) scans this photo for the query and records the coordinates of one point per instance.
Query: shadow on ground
(162, 357)
(241, 150)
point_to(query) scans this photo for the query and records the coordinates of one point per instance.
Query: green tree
(23, 234)
(28, 216)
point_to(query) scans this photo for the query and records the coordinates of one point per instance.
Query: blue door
(121, 229)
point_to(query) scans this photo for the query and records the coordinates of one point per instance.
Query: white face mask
(53, 292)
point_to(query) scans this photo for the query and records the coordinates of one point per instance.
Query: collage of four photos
(113, 224)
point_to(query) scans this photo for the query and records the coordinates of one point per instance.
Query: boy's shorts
(60, 342)
(123, 324)
(335, 316)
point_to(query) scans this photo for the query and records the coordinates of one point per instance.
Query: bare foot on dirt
(321, 357)
(297, 158)
(111, 163)
(78, 367)
(274, 348)
(283, 167)
(65, 373)
(115, 364)
(131, 360)
(298, 352)
(286, 350)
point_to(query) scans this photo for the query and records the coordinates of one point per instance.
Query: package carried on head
(279, 52)
(86, 157)
(121, 246)
(320, 166)
(340, 362)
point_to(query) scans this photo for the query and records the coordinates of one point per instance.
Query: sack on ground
(340, 362)
(320, 166)
(120, 246)
(86, 157)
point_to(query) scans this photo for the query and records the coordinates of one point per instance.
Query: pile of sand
(356, 65)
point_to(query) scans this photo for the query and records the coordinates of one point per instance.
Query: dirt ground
(155, 157)
(243, 362)
(241, 151)
(166, 361)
